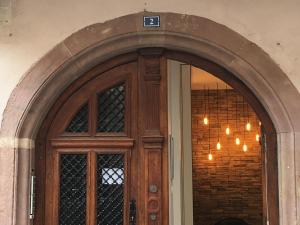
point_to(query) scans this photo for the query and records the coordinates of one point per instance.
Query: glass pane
(73, 172)
(111, 110)
(79, 123)
(110, 189)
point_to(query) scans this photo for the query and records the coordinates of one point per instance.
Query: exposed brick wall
(231, 184)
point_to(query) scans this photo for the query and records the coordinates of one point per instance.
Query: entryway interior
(221, 134)
(107, 136)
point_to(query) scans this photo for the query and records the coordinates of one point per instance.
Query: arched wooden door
(102, 152)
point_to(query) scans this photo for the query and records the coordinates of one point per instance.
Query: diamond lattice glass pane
(79, 123)
(73, 170)
(110, 189)
(111, 110)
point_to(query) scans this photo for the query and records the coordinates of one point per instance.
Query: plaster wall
(29, 29)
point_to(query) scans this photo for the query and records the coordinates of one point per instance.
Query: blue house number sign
(151, 21)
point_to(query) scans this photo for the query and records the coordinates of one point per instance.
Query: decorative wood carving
(153, 142)
(143, 140)
(93, 143)
(153, 134)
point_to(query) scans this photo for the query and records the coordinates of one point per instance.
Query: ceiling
(203, 80)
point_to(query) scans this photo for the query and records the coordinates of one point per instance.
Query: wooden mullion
(93, 115)
(91, 198)
(93, 143)
(56, 187)
(127, 184)
(152, 137)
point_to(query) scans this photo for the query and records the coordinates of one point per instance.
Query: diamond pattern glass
(111, 110)
(110, 189)
(79, 123)
(73, 172)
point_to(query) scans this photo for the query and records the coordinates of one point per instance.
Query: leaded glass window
(79, 123)
(73, 173)
(111, 110)
(110, 189)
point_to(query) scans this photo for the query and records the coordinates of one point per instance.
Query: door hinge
(32, 196)
(171, 158)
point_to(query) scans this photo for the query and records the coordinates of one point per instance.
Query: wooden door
(102, 152)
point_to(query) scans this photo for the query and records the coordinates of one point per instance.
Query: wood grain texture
(142, 142)
(153, 136)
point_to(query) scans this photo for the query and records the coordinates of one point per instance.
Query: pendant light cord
(226, 91)
(205, 101)
(236, 112)
(218, 112)
(208, 111)
(244, 117)
(248, 113)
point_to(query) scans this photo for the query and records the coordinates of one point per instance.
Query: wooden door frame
(272, 206)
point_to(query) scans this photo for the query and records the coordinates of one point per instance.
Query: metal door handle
(132, 213)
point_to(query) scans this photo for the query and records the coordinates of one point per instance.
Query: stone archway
(40, 87)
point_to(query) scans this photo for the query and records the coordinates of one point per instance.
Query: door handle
(132, 213)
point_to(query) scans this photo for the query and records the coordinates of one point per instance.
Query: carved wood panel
(142, 140)
(153, 133)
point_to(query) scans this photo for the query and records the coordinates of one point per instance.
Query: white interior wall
(180, 147)
(34, 27)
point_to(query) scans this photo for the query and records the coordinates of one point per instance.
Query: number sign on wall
(151, 21)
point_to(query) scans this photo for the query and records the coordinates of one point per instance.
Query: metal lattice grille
(79, 123)
(73, 171)
(111, 110)
(110, 189)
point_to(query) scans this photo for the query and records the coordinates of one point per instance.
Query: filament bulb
(218, 145)
(237, 141)
(205, 120)
(248, 126)
(227, 130)
(210, 157)
(259, 123)
(257, 137)
(245, 148)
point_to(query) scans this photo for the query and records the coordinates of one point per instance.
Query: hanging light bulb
(257, 137)
(210, 157)
(245, 148)
(219, 125)
(206, 107)
(205, 120)
(237, 141)
(248, 126)
(227, 130)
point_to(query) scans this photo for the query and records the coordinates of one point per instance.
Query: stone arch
(42, 84)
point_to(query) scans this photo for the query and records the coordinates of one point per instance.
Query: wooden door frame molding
(47, 79)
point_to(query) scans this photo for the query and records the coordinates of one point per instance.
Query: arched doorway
(69, 60)
(117, 112)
